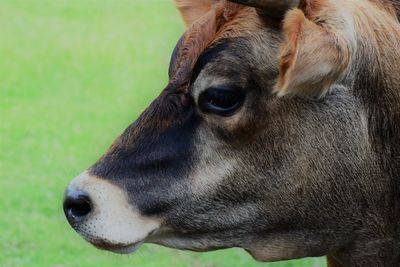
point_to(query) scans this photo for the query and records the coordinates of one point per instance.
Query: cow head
(220, 159)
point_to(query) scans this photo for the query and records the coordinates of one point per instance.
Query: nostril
(77, 206)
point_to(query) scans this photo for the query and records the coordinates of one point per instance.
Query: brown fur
(193, 10)
(332, 262)
(205, 24)
(281, 177)
(319, 33)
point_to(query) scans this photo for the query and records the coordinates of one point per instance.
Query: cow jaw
(114, 224)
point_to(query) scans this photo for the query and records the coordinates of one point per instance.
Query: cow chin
(113, 224)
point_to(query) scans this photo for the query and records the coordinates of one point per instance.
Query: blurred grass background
(73, 75)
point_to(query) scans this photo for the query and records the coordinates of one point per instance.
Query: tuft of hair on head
(204, 19)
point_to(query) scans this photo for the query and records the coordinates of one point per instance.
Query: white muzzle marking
(113, 221)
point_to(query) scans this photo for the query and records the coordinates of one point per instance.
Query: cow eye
(223, 101)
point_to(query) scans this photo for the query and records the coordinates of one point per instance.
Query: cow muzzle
(102, 214)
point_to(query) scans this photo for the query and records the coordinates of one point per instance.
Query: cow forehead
(245, 22)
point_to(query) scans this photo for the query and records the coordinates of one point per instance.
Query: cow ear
(192, 10)
(315, 55)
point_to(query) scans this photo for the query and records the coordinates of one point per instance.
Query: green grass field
(73, 75)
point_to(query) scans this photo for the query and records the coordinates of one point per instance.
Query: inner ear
(317, 50)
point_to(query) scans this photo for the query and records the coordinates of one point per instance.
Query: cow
(278, 133)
